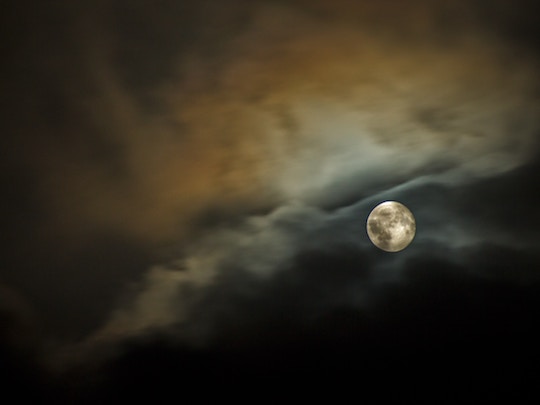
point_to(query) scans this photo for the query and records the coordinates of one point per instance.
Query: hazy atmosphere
(186, 186)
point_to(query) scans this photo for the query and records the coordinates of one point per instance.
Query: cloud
(288, 106)
(17, 318)
(329, 101)
(259, 246)
(247, 284)
(439, 316)
(292, 119)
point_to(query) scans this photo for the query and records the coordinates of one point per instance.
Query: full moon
(391, 226)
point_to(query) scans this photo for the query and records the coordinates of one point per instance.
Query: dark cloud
(20, 366)
(504, 204)
(186, 184)
(89, 281)
(441, 328)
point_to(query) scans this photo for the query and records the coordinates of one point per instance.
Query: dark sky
(186, 185)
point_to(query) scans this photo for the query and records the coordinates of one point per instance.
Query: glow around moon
(391, 226)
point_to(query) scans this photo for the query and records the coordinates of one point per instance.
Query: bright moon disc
(391, 226)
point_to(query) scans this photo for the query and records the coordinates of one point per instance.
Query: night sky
(185, 189)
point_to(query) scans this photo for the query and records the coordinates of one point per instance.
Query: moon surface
(391, 226)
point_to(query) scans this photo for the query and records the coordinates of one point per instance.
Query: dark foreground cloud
(186, 187)
(441, 332)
